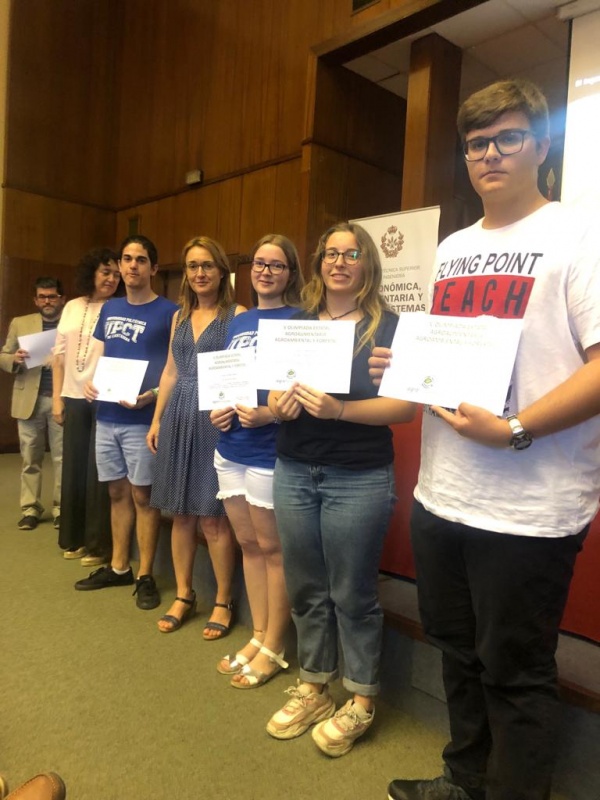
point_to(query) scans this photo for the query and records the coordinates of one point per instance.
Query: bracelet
(337, 419)
(155, 391)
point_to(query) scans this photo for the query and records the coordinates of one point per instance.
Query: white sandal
(255, 678)
(236, 663)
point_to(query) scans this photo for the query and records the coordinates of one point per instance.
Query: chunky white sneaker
(303, 710)
(336, 736)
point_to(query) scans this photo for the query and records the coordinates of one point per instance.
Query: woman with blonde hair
(334, 493)
(183, 438)
(245, 459)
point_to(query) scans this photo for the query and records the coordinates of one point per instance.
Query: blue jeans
(332, 522)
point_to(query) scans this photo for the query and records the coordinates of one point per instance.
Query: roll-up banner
(406, 241)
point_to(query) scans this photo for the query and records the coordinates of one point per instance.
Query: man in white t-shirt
(503, 504)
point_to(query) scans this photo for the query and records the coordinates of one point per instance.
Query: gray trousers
(32, 439)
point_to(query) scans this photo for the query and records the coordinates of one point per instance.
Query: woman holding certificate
(334, 493)
(244, 460)
(183, 438)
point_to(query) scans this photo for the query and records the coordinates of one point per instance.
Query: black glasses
(507, 143)
(349, 257)
(48, 298)
(274, 267)
(207, 267)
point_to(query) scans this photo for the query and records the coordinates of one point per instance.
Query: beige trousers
(32, 439)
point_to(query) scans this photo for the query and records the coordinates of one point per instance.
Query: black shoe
(147, 594)
(56, 522)
(438, 789)
(28, 523)
(103, 578)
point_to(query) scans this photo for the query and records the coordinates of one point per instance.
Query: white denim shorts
(253, 483)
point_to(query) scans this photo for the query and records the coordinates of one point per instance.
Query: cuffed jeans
(332, 522)
(32, 441)
(492, 602)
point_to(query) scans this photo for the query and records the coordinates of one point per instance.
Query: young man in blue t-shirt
(138, 327)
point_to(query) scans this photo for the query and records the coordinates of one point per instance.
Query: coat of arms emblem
(392, 242)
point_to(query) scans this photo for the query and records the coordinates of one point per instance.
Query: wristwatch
(520, 439)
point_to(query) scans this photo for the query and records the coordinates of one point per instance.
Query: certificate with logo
(313, 352)
(445, 361)
(119, 379)
(227, 378)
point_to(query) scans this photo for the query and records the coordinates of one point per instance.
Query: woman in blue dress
(245, 459)
(183, 438)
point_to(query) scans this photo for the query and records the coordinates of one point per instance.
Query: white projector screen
(581, 165)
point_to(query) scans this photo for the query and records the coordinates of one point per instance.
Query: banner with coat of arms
(407, 241)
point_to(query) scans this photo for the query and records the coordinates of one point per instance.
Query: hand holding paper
(118, 379)
(446, 361)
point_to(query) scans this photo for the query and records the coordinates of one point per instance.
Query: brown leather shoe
(47, 786)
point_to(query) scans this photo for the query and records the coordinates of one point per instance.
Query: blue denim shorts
(122, 452)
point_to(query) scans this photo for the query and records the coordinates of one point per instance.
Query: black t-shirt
(344, 444)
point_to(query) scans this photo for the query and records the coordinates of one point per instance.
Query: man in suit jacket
(32, 402)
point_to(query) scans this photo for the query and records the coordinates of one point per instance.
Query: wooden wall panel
(223, 86)
(343, 187)
(230, 215)
(359, 118)
(258, 206)
(61, 123)
(43, 229)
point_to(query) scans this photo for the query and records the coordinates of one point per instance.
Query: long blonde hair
(187, 297)
(369, 299)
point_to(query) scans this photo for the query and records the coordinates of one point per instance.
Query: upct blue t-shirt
(254, 447)
(137, 332)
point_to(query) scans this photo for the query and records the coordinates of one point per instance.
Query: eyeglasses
(48, 298)
(349, 257)
(507, 143)
(274, 267)
(207, 267)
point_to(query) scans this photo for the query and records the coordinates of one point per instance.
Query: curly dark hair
(86, 269)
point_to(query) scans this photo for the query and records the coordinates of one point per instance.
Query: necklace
(79, 359)
(340, 316)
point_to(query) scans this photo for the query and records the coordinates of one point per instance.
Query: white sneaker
(303, 710)
(94, 561)
(77, 553)
(336, 736)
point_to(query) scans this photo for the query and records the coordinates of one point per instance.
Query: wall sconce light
(193, 176)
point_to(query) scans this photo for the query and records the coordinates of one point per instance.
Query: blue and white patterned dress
(185, 481)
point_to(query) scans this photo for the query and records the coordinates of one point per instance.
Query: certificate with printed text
(227, 378)
(445, 361)
(119, 379)
(39, 346)
(313, 352)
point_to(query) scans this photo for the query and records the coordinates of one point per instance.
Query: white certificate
(313, 352)
(39, 346)
(445, 361)
(119, 379)
(227, 378)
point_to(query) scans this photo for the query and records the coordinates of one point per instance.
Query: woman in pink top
(84, 528)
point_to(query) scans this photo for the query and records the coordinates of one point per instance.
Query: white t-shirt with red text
(544, 269)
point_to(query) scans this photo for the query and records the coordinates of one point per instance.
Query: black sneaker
(147, 594)
(438, 789)
(28, 523)
(56, 522)
(103, 578)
